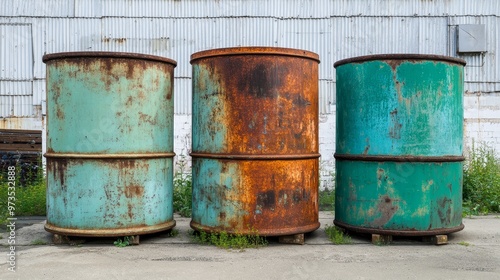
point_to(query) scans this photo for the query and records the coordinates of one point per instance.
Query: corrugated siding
(283, 8)
(413, 8)
(326, 96)
(6, 106)
(16, 88)
(375, 35)
(176, 29)
(16, 54)
(314, 35)
(38, 91)
(23, 105)
(16, 105)
(64, 35)
(37, 8)
(182, 96)
(481, 71)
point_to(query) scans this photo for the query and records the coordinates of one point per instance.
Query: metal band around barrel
(109, 156)
(402, 158)
(255, 157)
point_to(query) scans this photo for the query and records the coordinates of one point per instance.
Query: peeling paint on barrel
(255, 140)
(408, 179)
(109, 143)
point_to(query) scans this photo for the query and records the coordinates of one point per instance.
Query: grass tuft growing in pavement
(337, 236)
(230, 241)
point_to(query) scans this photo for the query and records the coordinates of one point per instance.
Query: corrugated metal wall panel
(374, 35)
(77, 34)
(37, 8)
(203, 34)
(139, 35)
(39, 27)
(413, 8)
(6, 106)
(16, 88)
(179, 38)
(433, 35)
(481, 71)
(182, 96)
(313, 35)
(326, 96)
(285, 8)
(16, 105)
(16, 54)
(88, 8)
(38, 92)
(23, 105)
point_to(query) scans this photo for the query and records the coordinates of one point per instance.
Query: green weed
(230, 241)
(463, 243)
(29, 201)
(183, 192)
(126, 241)
(173, 233)
(337, 236)
(38, 242)
(327, 200)
(481, 188)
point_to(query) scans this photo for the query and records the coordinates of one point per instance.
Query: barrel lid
(254, 51)
(400, 56)
(95, 54)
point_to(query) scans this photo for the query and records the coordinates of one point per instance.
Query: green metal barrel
(109, 143)
(399, 139)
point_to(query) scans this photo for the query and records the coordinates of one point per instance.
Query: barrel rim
(399, 232)
(254, 50)
(98, 54)
(400, 56)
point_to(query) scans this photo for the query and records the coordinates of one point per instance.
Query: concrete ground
(473, 253)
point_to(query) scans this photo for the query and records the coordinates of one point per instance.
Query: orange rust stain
(59, 113)
(279, 194)
(134, 191)
(147, 118)
(270, 104)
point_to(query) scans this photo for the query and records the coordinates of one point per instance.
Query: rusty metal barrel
(399, 140)
(109, 143)
(255, 141)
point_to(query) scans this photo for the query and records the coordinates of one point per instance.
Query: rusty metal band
(262, 232)
(255, 51)
(255, 157)
(409, 232)
(109, 156)
(400, 158)
(111, 232)
(401, 56)
(98, 54)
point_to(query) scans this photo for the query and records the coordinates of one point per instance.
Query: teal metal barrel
(109, 143)
(399, 138)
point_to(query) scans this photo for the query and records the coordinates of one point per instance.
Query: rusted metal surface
(109, 143)
(255, 141)
(399, 144)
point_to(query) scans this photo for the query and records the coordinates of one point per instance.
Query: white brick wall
(482, 120)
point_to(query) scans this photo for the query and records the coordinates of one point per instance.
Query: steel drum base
(111, 232)
(399, 232)
(269, 232)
